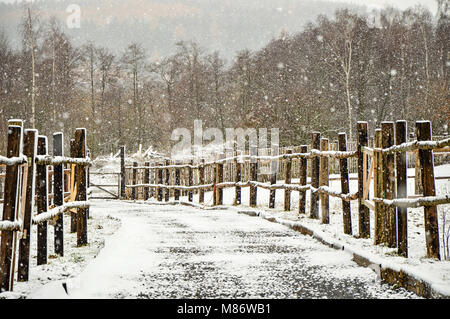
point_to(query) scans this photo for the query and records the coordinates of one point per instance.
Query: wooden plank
(81, 182)
(30, 150)
(134, 189)
(237, 179)
(14, 149)
(58, 191)
(253, 177)
(343, 167)
(378, 192)
(423, 131)
(122, 172)
(201, 177)
(323, 181)
(287, 180)
(273, 176)
(146, 180)
(387, 131)
(73, 213)
(363, 211)
(315, 171)
(402, 192)
(176, 192)
(303, 180)
(42, 202)
(191, 183)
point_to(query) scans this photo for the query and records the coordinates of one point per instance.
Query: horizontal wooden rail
(59, 160)
(415, 202)
(52, 213)
(11, 161)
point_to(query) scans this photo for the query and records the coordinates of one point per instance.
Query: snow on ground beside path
(101, 224)
(184, 252)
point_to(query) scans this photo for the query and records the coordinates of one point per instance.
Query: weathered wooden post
(287, 180)
(423, 130)
(387, 131)
(42, 202)
(167, 181)
(29, 150)
(14, 149)
(73, 214)
(237, 179)
(418, 187)
(324, 181)
(81, 182)
(201, 177)
(176, 193)
(343, 167)
(364, 213)
(273, 176)
(159, 174)
(253, 177)
(133, 189)
(146, 180)
(380, 223)
(303, 180)
(214, 195)
(191, 180)
(315, 167)
(122, 172)
(219, 179)
(58, 192)
(402, 182)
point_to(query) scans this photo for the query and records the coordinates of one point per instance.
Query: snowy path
(183, 252)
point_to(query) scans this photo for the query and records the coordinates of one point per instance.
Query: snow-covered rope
(11, 161)
(415, 145)
(9, 225)
(52, 213)
(58, 160)
(326, 190)
(415, 202)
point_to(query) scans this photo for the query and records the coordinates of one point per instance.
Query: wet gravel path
(182, 252)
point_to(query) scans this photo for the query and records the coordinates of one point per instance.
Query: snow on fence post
(364, 213)
(201, 178)
(324, 181)
(379, 236)
(176, 192)
(273, 175)
(14, 149)
(58, 192)
(73, 214)
(315, 166)
(42, 202)
(191, 180)
(167, 181)
(146, 180)
(387, 131)
(81, 184)
(345, 188)
(303, 180)
(402, 182)
(287, 180)
(237, 179)
(122, 172)
(253, 177)
(219, 191)
(159, 174)
(423, 132)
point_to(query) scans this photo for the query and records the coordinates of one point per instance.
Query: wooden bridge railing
(27, 174)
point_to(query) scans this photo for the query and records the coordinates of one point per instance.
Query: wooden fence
(381, 162)
(28, 181)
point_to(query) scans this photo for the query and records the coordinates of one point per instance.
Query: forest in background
(339, 69)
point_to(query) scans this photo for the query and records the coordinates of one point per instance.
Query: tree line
(386, 65)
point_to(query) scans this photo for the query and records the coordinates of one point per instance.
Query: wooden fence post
(81, 180)
(14, 149)
(214, 195)
(423, 129)
(273, 176)
(237, 179)
(380, 223)
(418, 187)
(191, 181)
(146, 181)
(58, 192)
(73, 214)
(167, 181)
(324, 181)
(364, 213)
(303, 180)
(387, 131)
(219, 179)
(315, 167)
(159, 175)
(287, 180)
(253, 177)
(402, 182)
(345, 188)
(176, 192)
(201, 177)
(42, 202)
(122, 172)
(29, 150)
(134, 172)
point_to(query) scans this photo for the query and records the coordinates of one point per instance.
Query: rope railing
(52, 213)
(415, 202)
(410, 146)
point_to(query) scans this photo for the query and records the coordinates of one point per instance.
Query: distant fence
(26, 173)
(165, 178)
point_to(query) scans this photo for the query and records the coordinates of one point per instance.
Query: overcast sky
(402, 4)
